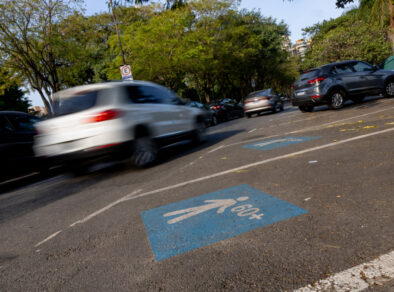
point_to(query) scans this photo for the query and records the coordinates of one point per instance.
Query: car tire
(248, 116)
(199, 133)
(389, 88)
(282, 108)
(276, 107)
(336, 99)
(144, 152)
(214, 120)
(305, 108)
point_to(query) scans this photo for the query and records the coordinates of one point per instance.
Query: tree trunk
(391, 33)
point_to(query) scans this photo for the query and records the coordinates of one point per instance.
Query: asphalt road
(299, 197)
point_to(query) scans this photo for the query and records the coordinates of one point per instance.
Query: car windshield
(79, 101)
(309, 74)
(259, 93)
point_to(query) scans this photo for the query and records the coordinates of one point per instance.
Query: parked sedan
(227, 109)
(261, 101)
(210, 115)
(16, 141)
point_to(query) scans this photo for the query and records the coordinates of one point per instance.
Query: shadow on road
(15, 201)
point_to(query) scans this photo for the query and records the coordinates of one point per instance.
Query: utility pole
(117, 31)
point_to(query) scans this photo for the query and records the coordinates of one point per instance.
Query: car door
(345, 75)
(369, 79)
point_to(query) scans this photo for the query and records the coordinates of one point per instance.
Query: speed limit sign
(125, 70)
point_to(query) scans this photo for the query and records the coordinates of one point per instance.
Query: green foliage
(206, 48)
(11, 96)
(361, 33)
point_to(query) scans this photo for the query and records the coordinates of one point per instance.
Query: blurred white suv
(130, 120)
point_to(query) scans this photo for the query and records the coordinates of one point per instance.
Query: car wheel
(305, 108)
(214, 120)
(248, 116)
(199, 133)
(282, 107)
(276, 108)
(336, 99)
(145, 152)
(389, 89)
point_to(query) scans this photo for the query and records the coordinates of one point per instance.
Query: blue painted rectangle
(182, 226)
(279, 142)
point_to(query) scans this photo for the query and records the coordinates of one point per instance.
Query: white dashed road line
(134, 195)
(358, 278)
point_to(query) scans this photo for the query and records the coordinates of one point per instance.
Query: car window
(23, 123)
(346, 68)
(259, 93)
(362, 67)
(144, 94)
(4, 125)
(309, 74)
(79, 101)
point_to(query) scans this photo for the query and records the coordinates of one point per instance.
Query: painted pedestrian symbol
(211, 204)
(193, 223)
(276, 143)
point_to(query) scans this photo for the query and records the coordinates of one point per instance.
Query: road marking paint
(133, 195)
(94, 214)
(358, 278)
(251, 131)
(276, 143)
(48, 238)
(109, 206)
(215, 149)
(175, 228)
(293, 132)
(163, 189)
(330, 123)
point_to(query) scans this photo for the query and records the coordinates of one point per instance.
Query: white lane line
(293, 132)
(338, 121)
(260, 163)
(48, 238)
(133, 195)
(94, 214)
(251, 131)
(216, 149)
(358, 278)
(109, 206)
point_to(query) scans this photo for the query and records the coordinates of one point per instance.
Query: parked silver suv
(117, 119)
(334, 83)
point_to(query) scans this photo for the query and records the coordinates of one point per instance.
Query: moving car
(16, 144)
(227, 109)
(334, 83)
(261, 101)
(116, 120)
(210, 115)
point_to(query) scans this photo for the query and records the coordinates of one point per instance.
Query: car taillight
(104, 116)
(316, 80)
(292, 86)
(216, 107)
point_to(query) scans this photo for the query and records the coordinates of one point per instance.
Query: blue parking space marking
(186, 225)
(276, 143)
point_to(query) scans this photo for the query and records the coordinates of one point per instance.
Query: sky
(297, 14)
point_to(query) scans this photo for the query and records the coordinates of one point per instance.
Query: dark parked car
(16, 141)
(227, 109)
(334, 83)
(210, 115)
(261, 101)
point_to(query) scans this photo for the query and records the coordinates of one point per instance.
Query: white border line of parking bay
(374, 273)
(134, 194)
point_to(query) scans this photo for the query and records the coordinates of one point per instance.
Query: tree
(31, 43)
(11, 96)
(351, 36)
